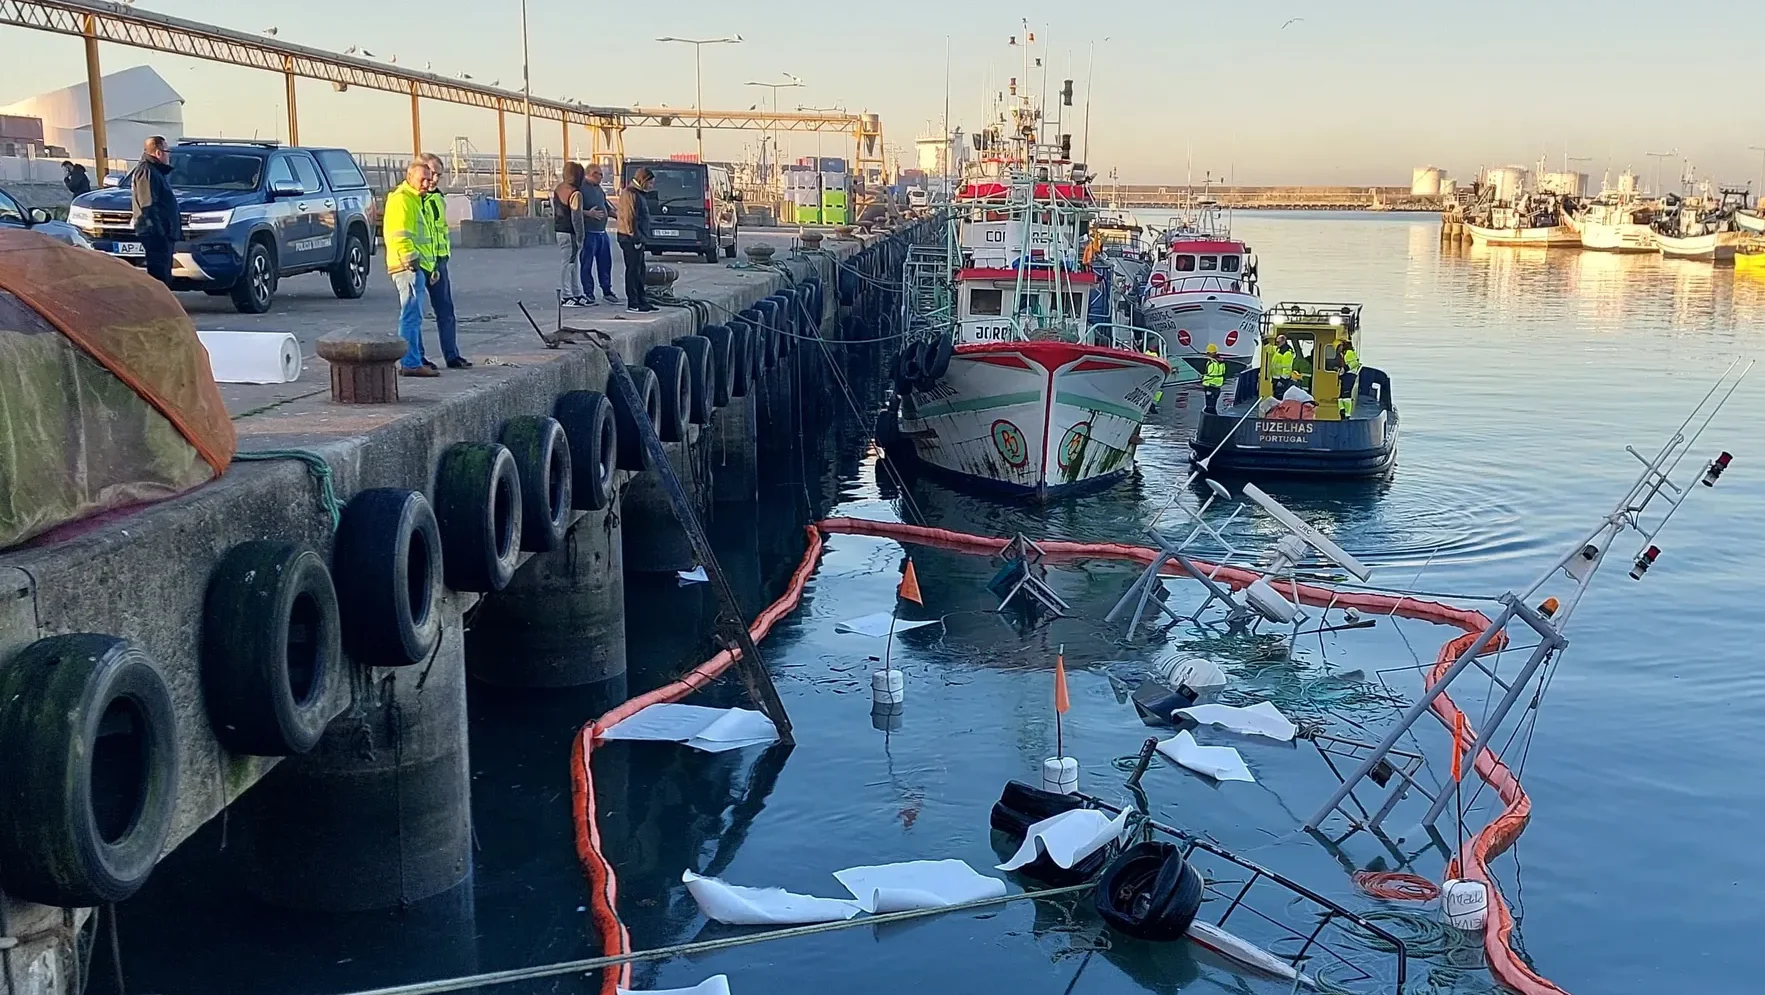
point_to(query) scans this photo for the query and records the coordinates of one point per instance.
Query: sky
(1354, 92)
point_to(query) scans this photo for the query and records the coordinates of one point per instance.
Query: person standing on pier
(597, 247)
(410, 259)
(154, 206)
(1213, 380)
(634, 231)
(567, 224)
(441, 291)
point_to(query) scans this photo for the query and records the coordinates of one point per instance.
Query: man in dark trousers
(634, 231)
(154, 207)
(597, 247)
(75, 179)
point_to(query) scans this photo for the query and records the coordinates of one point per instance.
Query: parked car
(254, 212)
(693, 207)
(15, 215)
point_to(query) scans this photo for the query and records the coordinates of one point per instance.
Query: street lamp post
(774, 87)
(1658, 156)
(698, 81)
(527, 103)
(1761, 150)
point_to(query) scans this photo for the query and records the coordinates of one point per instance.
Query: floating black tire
(941, 353)
(674, 386)
(722, 364)
(541, 449)
(478, 506)
(271, 648)
(741, 361)
(587, 417)
(386, 566)
(1149, 892)
(699, 377)
(90, 779)
(632, 454)
(1021, 806)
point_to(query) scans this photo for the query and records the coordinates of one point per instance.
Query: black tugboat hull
(1357, 447)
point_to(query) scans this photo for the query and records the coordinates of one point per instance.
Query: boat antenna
(949, 146)
(1090, 74)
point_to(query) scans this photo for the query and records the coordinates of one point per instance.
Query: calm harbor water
(1520, 376)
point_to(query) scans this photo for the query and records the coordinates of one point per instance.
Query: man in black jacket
(75, 179)
(155, 207)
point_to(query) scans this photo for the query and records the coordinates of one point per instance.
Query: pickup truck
(254, 212)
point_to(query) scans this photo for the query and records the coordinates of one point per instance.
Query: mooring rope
(321, 471)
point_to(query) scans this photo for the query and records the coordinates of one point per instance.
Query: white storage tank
(1449, 188)
(1425, 181)
(1627, 182)
(1505, 182)
(1566, 184)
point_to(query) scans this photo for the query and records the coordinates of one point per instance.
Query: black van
(692, 207)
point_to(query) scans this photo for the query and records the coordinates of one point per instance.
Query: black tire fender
(90, 781)
(1149, 892)
(699, 375)
(632, 454)
(674, 385)
(756, 344)
(722, 364)
(542, 460)
(941, 353)
(587, 417)
(271, 648)
(741, 361)
(478, 507)
(387, 567)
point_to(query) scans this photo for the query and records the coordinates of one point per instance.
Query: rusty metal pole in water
(753, 668)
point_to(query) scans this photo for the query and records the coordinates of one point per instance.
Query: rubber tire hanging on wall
(741, 347)
(587, 417)
(699, 375)
(674, 386)
(541, 449)
(722, 364)
(271, 648)
(1156, 872)
(756, 344)
(89, 781)
(478, 506)
(386, 566)
(632, 454)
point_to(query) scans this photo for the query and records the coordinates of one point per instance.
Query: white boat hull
(1750, 221)
(1714, 247)
(1622, 237)
(1190, 321)
(1539, 237)
(1032, 419)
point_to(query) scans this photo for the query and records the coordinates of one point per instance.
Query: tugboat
(1327, 419)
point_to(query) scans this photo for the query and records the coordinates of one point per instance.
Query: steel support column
(95, 90)
(566, 130)
(288, 86)
(416, 125)
(502, 153)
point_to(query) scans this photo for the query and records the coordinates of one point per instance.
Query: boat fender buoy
(587, 417)
(89, 733)
(541, 450)
(699, 376)
(674, 387)
(386, 566)
(632, 454)
(887, 687)
(722, 363)
(1060, 774)
(478, 509)
(271, 648)
(1149, 892)
(1465, 904)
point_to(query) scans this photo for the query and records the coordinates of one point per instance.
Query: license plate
(667, 232)
(127, 249)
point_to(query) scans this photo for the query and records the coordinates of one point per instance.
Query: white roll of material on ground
(252, 357)
(1465, 904)
(887, 687)
(1060, 774)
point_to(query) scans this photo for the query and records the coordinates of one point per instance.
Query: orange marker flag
(1061, 702)
(1458, 745)
(909, 588)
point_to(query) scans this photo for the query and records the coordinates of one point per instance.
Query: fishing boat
(1202, 292)
(1539, 220)
(1702, 229)
(1618, 222)
(1750, 221)
(1266, 426)
(1005, 385)
(1749, 258)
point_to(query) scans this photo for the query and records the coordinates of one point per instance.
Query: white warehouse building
(138, 103)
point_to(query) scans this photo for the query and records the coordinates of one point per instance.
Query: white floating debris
(738, 905)
(917, 884)
(1068, 838)
(877, 625)
(713, 730)
(1222, 763)
(1197, 672)
(252, 357)
(1260, 719)
(717, 984)
(1242, 951)
(696, 575)
(1465, 903)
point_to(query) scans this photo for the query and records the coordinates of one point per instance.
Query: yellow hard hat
(1211, 348)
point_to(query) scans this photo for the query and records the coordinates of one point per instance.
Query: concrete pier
(378, 814)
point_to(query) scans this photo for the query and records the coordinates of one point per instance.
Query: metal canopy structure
(99, 20)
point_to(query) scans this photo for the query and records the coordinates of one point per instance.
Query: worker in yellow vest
(1281, 366)
(1213, 378)
(410, 258)
(1351, 367)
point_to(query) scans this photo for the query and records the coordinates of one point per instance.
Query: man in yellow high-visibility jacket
(410, 258)
(1213, 379)
(1351, 367)
(441, 289)
(1281, 366)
